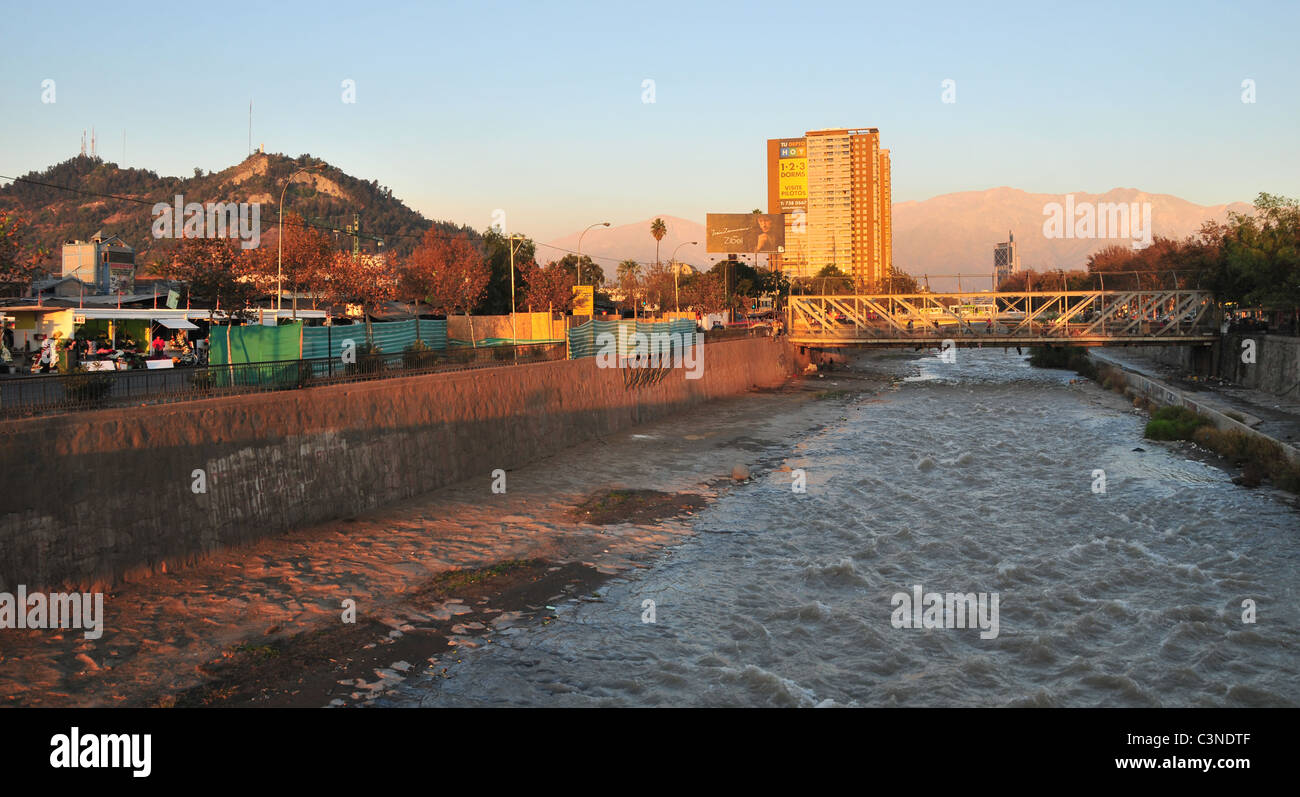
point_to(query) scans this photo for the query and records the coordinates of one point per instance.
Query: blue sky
(536, 108)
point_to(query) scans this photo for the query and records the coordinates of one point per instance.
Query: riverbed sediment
(266, 623)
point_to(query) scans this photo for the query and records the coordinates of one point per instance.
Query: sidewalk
(1276, 416)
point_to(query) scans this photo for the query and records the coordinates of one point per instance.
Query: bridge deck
(971, 341)
(1038, 318)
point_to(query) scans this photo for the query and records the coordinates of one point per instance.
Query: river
(977, 476)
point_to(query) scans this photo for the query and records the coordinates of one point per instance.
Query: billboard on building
(792, 175)
(745, 232)
(121, 279)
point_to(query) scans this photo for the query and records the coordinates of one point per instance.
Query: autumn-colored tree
(704, 293)
(214, 272)
(366, 280)
(307, 259)
(1151, 267)
(629, 281)
(448, 271)
(420, 271)
(550, 287)
(18, 263)
(657, 286)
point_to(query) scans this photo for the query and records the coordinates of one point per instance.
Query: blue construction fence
(258, 344)
(583, 339)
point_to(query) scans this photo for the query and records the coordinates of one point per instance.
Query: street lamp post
(676, 299)
(514, 335)
(279, 257)
(584, 232)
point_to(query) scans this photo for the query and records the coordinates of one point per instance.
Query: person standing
(75, 349)
(49, 352)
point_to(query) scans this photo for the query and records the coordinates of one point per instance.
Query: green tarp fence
(254, 344)
(391, 337)
(260, 344)
(586, 340)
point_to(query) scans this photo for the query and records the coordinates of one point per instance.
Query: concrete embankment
(1264, 362)
(1162, 394)
(101, 497)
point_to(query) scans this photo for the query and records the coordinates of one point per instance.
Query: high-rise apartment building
(834, 187)
(1006, 260)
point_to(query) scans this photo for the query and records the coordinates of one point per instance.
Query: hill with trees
(74, 199)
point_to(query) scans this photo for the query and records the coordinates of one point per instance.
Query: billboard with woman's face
(745, 232)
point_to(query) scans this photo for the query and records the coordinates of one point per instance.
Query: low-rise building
(105, 261)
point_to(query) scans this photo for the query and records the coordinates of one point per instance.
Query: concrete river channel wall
(1273, 368)
(99, 497)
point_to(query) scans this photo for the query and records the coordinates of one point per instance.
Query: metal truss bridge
(1075, 318)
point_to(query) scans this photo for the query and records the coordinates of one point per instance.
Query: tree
(419, 274)
(657, 231)
(775, 284)
(1263, 251)
(900, 282)
(448, 271)
(550, 287)
(1149, 268)
(215, 271)
(657, 286)
(308, 255)
(365, 279)
(497, 249)
(1056, 280)
(18, 263)
(592, 274)
(704, 293)
(830, 280)
(739, 277)
(629, 278)
(1206, 256)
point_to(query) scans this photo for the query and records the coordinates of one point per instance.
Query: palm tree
(658, 229)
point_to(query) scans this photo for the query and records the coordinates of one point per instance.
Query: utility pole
(514, 334)
(354, 229)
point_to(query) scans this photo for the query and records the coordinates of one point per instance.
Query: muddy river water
(980, 476)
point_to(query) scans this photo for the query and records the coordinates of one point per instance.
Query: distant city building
(1006, 261)
(834, 188)
(106, 263)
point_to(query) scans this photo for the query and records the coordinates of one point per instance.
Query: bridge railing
(1042, 315)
